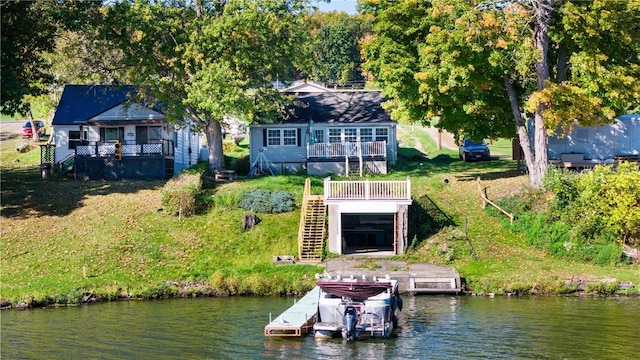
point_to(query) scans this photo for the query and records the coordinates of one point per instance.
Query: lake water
(431, 327)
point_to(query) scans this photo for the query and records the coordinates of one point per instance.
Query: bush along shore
(74, 242)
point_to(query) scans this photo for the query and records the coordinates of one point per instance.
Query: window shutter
(264, 137)
(299, 140)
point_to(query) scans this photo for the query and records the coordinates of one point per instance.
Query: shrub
(263, 201)
(179, 194)
(590, 217)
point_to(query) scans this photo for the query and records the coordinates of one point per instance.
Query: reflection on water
(431, 327)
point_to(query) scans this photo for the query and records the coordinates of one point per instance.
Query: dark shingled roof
(82, 102)
(347, 107)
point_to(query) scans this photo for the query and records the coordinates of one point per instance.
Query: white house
(105, 132)
(339, 132)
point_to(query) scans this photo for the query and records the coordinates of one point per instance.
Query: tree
(210, 59)
(29, 29)
(484, 66)
(334, 47)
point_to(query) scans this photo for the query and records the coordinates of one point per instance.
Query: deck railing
(160, 147)
(347, 149)
(367, 190)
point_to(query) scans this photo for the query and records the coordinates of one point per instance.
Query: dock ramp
(298, 319)
(434, 285)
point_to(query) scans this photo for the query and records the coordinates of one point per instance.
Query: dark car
(472, 150)
(27, 132)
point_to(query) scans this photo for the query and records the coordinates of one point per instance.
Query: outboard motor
(349, 321)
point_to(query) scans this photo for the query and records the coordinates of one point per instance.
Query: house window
(335, 135)
(287, 137)
(366, 135)
(382, 134)
(148, 134)
(74, 139)
(351, 135)
(112, 134)
(273, 137)
(319, 135)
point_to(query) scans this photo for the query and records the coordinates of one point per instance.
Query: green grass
(62, 238)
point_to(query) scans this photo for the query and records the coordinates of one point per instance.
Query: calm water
(432, 327)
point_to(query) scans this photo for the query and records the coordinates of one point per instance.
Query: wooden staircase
(312, 230)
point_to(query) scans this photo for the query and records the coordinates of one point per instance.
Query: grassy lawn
(64, 240)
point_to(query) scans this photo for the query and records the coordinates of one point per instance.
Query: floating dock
(298, 319)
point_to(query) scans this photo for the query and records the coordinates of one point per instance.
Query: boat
(357, 308)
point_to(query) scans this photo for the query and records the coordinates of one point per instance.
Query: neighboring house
(103, 132)
(598, 144)
(339, 132)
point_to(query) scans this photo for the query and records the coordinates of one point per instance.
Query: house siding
(187, 149)
(284, 158)
(61, 140)
(599, 143)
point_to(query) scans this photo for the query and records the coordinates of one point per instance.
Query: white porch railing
(164, 147)
(347, 149)
(367, 190)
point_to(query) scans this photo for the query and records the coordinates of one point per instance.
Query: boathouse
(362, 217)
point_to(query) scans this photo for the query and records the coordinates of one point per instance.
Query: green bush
(263, 201)
(590, 217)
(179, 194)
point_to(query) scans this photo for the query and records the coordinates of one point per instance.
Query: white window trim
(281, 137)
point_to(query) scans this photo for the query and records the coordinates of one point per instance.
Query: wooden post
(485, 201)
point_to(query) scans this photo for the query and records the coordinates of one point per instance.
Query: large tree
(334, 48)
(484, 66)
(29, 30)
(210, 59)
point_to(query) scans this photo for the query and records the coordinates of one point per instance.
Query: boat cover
(355, 290)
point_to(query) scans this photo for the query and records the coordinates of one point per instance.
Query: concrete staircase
(312, 230)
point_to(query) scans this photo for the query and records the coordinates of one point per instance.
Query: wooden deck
(298, 319)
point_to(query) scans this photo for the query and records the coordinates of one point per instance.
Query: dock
(412, 279)
(298, 319)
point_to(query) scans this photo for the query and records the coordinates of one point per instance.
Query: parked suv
(472, 150)
(27, 132)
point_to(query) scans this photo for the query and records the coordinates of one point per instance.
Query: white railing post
(408, 188)
(327, 188)
(367, 191)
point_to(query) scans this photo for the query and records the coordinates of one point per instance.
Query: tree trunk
(536, 157)
(214, 139)
(521, 127)
(542, 13)
(35, 135)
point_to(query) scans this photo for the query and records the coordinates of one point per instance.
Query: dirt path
(447, 138)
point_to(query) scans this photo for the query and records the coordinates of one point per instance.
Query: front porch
(124, 160)
(341, 150)
(347, 158)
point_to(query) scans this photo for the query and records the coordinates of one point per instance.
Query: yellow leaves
(488, 20)
(137, 36)
(564, 103)
(501, 44)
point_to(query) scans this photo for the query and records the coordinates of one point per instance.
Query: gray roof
(79, 103)
(343, 107)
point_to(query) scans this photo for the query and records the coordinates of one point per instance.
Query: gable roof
(80, 103)
(306, 87)
(344, 107)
